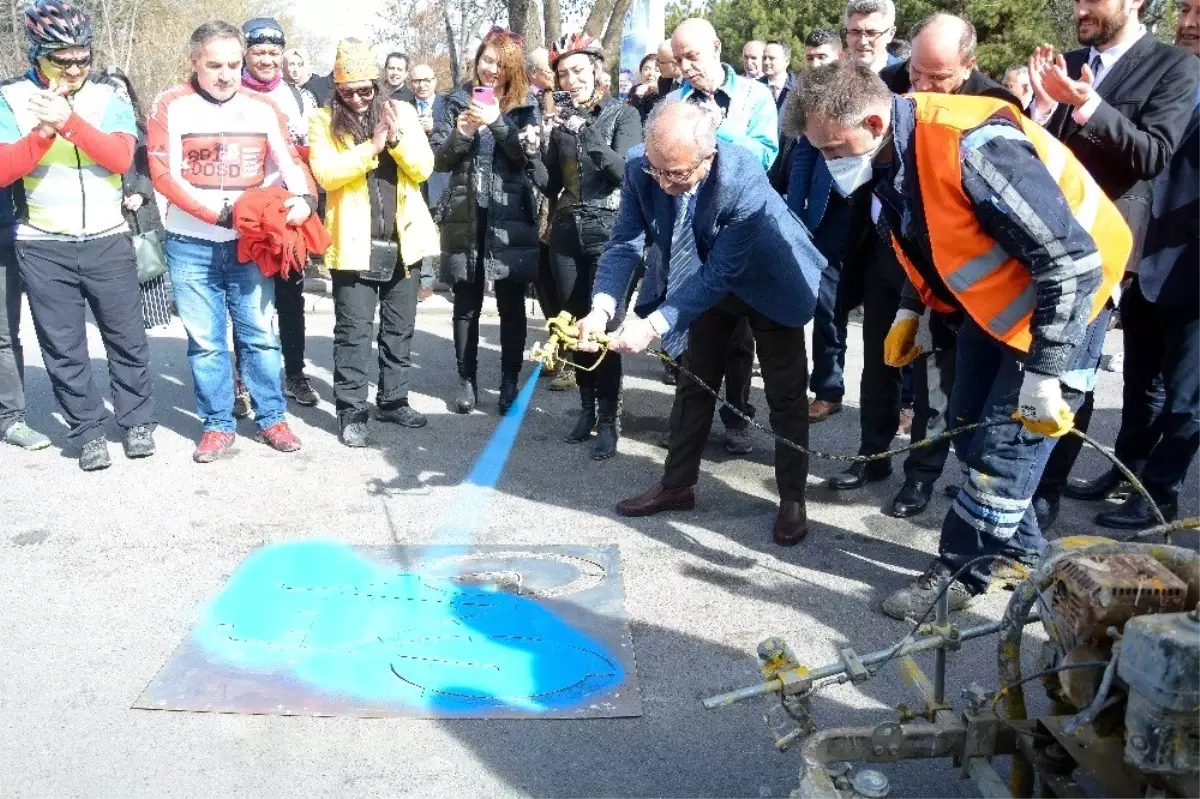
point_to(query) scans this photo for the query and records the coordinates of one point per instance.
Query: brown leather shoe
(820, 410)
(658, 499)
(791, 524)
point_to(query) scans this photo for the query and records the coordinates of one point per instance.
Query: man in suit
(1165, 305)
(1120, 103)
(777, 57)
(752, 56)
(942, 62)
(749, 119)
(732, 251)
(395, 76)
(429, 107)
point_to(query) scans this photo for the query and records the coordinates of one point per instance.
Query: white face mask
(852, 171)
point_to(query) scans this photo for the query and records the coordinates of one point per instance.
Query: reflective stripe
(1089, 207)
(1012, 315)
(977, 269)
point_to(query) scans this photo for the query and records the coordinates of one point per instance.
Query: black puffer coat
(511, 241)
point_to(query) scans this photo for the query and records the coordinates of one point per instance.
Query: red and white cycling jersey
(203, 155)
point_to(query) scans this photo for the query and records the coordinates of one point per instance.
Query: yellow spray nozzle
(563, 336)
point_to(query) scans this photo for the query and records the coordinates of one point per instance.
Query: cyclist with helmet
(584, 166)
(65, 142)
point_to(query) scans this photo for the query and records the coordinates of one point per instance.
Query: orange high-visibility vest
(995, 289)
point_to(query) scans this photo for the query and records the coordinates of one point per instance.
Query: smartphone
(562, 100)
(485, 95)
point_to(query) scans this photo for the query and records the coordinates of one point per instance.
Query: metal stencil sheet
(326, 629)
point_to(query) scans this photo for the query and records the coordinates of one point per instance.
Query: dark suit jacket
(1147, 100)
(1171, 255)
(976, 85)
(750, 245)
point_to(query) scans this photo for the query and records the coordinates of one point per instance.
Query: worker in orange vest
(991, 217)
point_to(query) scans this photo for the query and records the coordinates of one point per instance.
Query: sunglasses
(362, 93)
(515, 38)
(265, 36)
(67, 63)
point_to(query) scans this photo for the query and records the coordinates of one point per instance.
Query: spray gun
(563, 337)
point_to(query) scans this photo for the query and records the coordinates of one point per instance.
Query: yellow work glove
(1041, 407)
(901, 348)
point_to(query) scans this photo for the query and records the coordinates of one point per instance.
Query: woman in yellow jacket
(370, 155)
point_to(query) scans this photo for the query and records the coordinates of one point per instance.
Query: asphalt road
(103, 574)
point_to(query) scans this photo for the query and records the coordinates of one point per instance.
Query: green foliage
(1008, 29)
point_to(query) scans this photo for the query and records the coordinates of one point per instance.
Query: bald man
(943, 61)
(752, 55)
(729, 252)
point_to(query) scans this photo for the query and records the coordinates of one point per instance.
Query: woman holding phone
(487, 213)
(370, 154)
(584, 167)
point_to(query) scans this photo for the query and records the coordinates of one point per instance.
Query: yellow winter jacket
(341, 167)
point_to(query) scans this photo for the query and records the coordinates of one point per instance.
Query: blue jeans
(993, 513)
(829, 340)
(211, 285)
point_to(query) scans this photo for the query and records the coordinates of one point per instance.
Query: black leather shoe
(1100, 488)
(1045, 508)
(860, 474)
(508, 393)
(912, 499)
(791, 524)
(403, 415)
(1135, 514)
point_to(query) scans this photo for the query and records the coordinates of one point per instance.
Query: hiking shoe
(279, 437)
(355, 435)
(402, 415)
(94, 456)
(564, 380)
(212, 446)
(737, 442)
(912, 602)
(139, 442)
(299, 389)
(241, 401)
(23, 436)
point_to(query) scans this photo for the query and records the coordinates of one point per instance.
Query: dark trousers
(739, 369)
(544, 288)
(1175, 430)
(354, 303)
(468, 302)
(1141, 395)
(784, 363)
(12, 357)
(882, 387)
(993, 512)
(573, 264)
(62, 279)
(289, 307)
(830, 320)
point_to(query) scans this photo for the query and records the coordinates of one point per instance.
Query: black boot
(582, 430)
(467, 396)
(608, 429)
(508, 392)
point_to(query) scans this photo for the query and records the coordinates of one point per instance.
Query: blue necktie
(684, 262)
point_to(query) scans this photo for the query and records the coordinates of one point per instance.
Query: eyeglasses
(67, 63)
(423, 80)
(363, 93)
(675, 175)
(515, 38)
(867, 35)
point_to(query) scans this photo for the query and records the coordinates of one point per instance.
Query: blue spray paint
(345, 624)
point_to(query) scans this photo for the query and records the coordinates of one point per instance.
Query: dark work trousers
(881, 388)
(784, 364)
(739, 369)
(12, 357)
(1141, 397)
(574, 261)
(545, 289)
(354, 303)
(289, 306)
(468, 302)
(62, 279)
(1178, 423)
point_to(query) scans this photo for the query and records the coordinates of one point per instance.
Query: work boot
(139, 442)
(22, 435)
(564, 380)
(467, 396)
(508, 392)
(586, 422)
(403, 415)
(912, 602)
(608, 430)
(355, 434)
(241, 400)
(94, 456)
